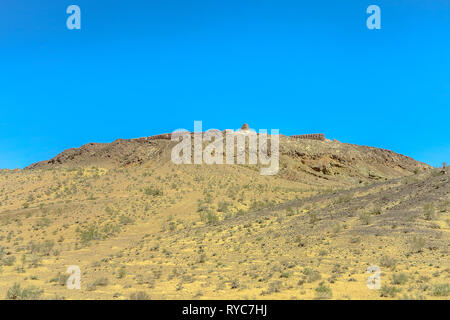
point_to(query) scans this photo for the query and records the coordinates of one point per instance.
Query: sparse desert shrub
(157, 274)
(336, 227)
(388, 262)
(44, 222)
(122, 273)
(172, 226)
(389, 292)
(400, 278)
(323, 292)
(300, 241)
(355, 240)
(223, 206)
(43, 248)
(110, 229)
(444, 206)
(140, 295)
(311, 275)
(441, 290)
(377, 211)
(34, 260)
(435, 173)
(289, 211)
(365, 218)
(8, 261)
(202, 258)
(100, 282)
(345, 198)
(417, 244)
(429, 212)
(17, 293)
(88, 234)
(234, 284)
(274, 287)
(313, 218)
(202, 207)
(209, 217)
(153, 191)
(60, 279)
(123, 219)
(412, 297)
(410, 180)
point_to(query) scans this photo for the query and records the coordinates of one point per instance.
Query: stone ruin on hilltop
(245, 127)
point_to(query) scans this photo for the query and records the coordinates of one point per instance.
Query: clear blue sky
(139, 68)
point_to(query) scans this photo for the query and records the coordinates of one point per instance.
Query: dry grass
(162, 231)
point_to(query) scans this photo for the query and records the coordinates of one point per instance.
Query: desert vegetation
(141, 228)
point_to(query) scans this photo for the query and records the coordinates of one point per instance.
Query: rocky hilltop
(140, 226)
(301, 157)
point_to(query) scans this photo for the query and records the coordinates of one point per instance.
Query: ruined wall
(139, 139)
(168, 136)
(312, 136)
(165, 136)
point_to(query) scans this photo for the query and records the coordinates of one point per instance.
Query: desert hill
(300, 159)
(139, 226)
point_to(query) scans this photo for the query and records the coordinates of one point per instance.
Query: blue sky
(138, 68)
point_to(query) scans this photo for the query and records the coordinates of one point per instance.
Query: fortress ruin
(245, 127)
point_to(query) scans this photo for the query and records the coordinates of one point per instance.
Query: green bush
(400, 278)
(153, 191)
(90, 233)
(365, 218)
(429, 211)
(323, 292)
(141, 295)
(388, 291)
(8, 261)
(311, 275)
(441, 290)
(223, 206)
(417, 244)
(100, 282)
(209, 217)
(60, 279)
(17, 293)
(274, 287)
(388, 262)
(43, 248)
(125, 220)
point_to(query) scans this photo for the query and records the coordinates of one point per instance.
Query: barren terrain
(141, 227)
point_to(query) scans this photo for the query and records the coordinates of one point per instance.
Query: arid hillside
(141, 227)
(301, 159)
